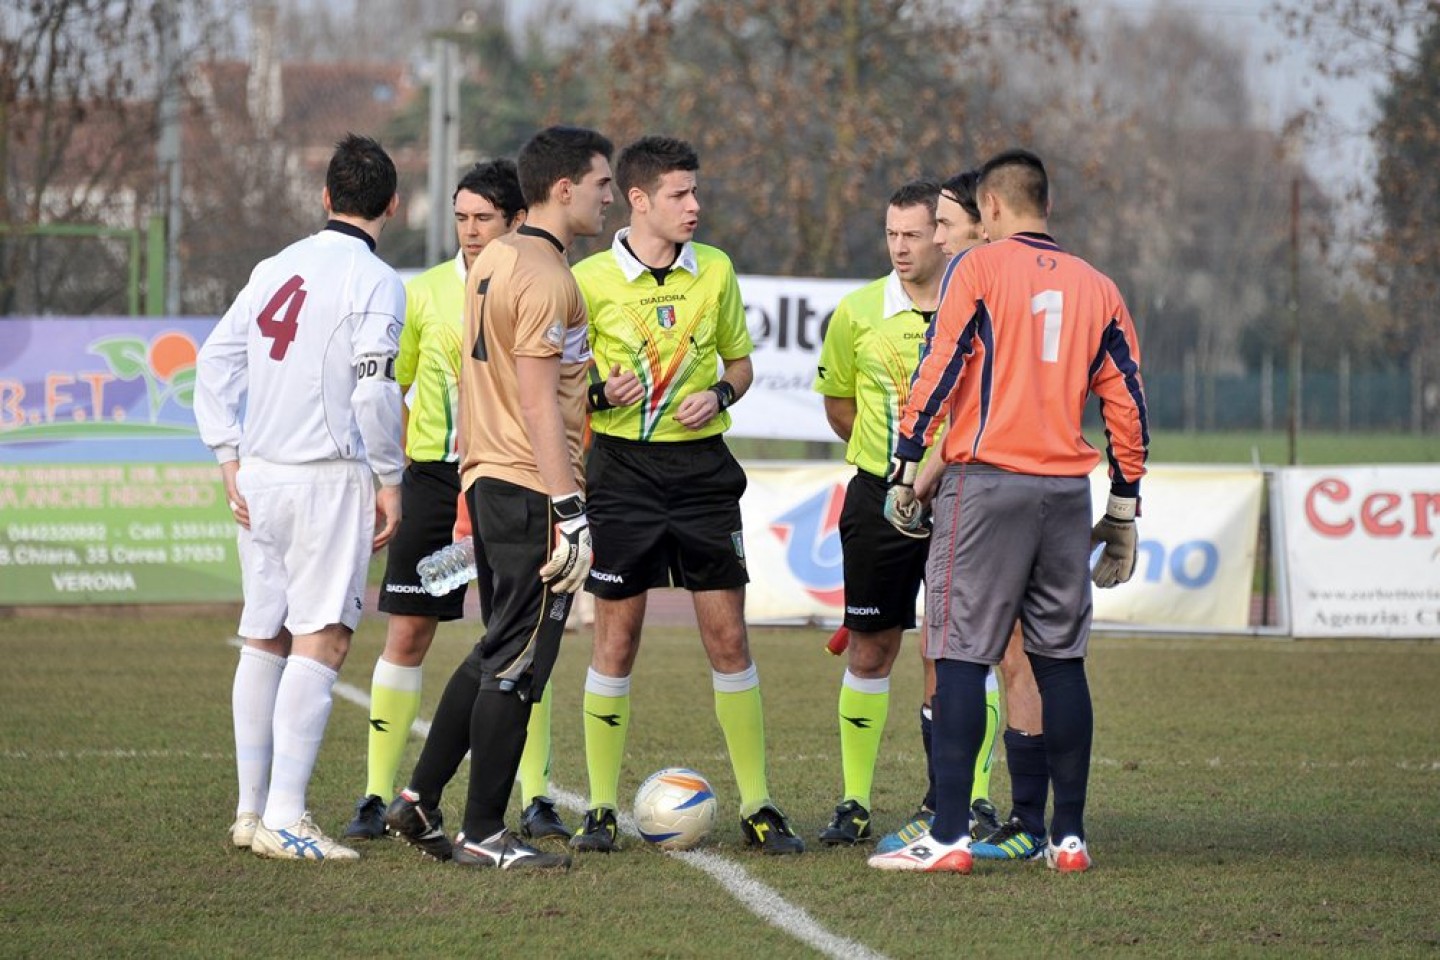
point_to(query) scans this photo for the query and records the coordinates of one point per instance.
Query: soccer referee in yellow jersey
(871, 349)
(667, 328)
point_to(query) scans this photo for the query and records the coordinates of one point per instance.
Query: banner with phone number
(107, 494)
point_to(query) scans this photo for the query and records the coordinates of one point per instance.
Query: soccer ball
(675, 808)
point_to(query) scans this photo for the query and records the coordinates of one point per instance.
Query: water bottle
(448, 568)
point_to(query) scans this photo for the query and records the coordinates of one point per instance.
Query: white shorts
(304, 559)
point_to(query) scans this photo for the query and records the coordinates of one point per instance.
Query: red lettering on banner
(1336, 491)
(1374, 511)
(1425, 504)
(1381, 513)
(12, 392)
(55, 394)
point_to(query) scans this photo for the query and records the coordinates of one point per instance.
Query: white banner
(787, 317)
(1195, 566)
(1362, 550)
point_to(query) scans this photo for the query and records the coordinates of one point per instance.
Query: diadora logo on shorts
(605, 576)
(558, 610)
(863, 611)
(811, 535)
(403, 588)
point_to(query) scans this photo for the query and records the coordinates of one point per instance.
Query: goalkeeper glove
(1117, 531)
(902, 508)
(570, 561)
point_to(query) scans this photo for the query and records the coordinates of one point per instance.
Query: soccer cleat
(598, 833)
(369, 820)
(768, 829)
(1011, 842)
(302, 840)
(927, 855)
(984, 819)
(540, 821)
(506, 851)
(1069, 856)
(242, 831)
(850, 826)
(916, 827)
(422, 829)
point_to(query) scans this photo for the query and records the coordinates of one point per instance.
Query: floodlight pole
(167, 153)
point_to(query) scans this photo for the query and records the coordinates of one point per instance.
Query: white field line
(763, 901)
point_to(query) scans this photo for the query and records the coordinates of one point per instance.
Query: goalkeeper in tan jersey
(487, 204)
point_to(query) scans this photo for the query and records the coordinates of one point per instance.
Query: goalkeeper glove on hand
(570, 561)
(902, 508)
(1117, 531)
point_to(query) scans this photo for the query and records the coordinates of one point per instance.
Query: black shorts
(522, 637)
(427, 506)
(664, 515)
(883, 567)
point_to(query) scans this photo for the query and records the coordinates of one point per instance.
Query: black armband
(724, 392)
(598, 400)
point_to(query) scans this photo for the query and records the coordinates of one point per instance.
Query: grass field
(1248, 796)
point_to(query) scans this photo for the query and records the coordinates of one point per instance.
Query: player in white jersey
(307, 350)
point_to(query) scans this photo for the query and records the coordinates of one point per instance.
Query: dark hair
(1018, 176)
(917, 193)
(555, 154)
(961, 189)
(496, 181)
(645, 161)
(361, 178)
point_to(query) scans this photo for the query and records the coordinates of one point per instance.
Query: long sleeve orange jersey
(1024, 334)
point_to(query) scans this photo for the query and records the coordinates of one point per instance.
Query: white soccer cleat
(302, 840)
(927, 855)
(242, 831)
(1068, 856)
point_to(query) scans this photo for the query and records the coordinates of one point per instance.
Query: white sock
(252, 705)
(302, 708)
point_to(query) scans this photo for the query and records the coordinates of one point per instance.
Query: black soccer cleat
(369, 820)
(541, 822)
(984, 819)
(598, 834)
(422, 829)
(850, 826)
(508, 852)
(768, 829)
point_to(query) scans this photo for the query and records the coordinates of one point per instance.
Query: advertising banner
(787, 317)
(1194, 570)
(1362, 550)
(107, 494)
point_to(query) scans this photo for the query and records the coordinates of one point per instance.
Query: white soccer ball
(675, 808)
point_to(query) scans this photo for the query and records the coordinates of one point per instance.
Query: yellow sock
(986, 758)
(535, 761)
(607, 721)
(394, 705)
(742, 720)
(864, 707)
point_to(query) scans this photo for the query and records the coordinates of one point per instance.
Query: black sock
(497, 739)
(927, 734)
(1029, 778)
(449, 737)
(959, 718)
(1069, 729)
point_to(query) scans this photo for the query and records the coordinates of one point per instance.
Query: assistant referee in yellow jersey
(667, 328)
